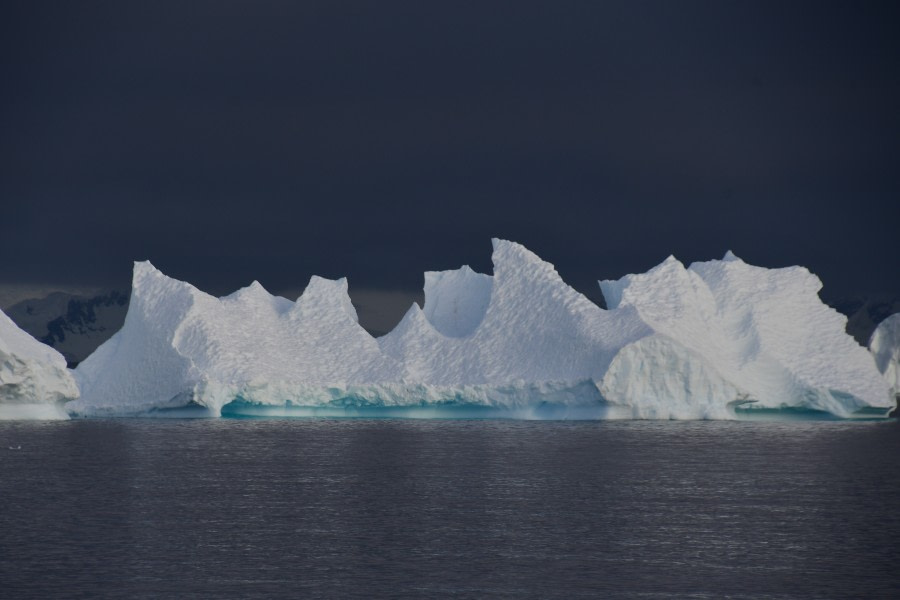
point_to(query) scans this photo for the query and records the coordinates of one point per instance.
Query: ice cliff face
(676, 342)
(34, 381)
(885, 348)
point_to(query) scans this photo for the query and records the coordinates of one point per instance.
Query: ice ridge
(713, 340)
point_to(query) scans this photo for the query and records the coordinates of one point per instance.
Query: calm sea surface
(471, 509)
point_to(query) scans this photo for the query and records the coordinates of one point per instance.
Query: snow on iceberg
(676, 342)
(34, 380)
(885, 348)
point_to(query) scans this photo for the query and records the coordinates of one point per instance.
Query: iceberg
(34, 380)
(885, 348)
(715, 340)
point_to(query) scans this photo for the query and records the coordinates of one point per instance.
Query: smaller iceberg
(885, 348)
(34, 380)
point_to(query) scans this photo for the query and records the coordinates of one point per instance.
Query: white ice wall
(676, 342)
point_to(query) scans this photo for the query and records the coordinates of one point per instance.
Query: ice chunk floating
(885, 348)
(715, 340)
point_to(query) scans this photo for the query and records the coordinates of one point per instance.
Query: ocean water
(330, 508)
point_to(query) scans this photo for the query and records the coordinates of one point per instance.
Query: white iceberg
(885, 348)
(680, 343)
(34, 380)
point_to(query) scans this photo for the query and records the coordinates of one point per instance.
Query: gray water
(467, 508)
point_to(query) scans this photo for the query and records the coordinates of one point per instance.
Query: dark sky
(232, 141)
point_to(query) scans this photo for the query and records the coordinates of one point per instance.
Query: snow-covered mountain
(72, 324)
(865, 311)
(34, 381)
(676, 342)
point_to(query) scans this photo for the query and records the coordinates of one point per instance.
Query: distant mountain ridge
(865, 312)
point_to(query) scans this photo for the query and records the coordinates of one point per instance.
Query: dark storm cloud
(231, 141)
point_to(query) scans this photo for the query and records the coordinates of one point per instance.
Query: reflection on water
(260, 508)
